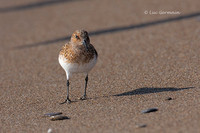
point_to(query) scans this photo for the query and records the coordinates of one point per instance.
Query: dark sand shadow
(33, 5)
(114, 29)
(148, 90)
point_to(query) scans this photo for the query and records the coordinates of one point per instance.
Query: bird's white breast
(71, 68)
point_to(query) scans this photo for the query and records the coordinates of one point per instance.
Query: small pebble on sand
(49, 130)
(149, 110)
(168, 98)
(141, 126)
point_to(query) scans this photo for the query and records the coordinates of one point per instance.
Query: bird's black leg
(84, 97)
(67, 100)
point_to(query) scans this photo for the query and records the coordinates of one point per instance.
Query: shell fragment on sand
(52, 114)
(149, 110)
(58, 117)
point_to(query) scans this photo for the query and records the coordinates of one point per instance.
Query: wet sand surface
(143, 60)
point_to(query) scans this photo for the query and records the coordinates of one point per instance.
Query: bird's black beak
(85, 44)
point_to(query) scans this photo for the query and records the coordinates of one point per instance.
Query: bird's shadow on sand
(147, 90)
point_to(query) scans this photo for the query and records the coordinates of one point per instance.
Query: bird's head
(80, 37)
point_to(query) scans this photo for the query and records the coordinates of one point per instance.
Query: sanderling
(78, 56)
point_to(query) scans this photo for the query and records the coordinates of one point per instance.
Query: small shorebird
(78, 56)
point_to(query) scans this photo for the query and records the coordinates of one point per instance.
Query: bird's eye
(76, 37)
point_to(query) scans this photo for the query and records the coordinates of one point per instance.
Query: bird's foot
(66, 101)
(83, 97)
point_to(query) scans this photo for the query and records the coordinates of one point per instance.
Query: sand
(143, 60)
